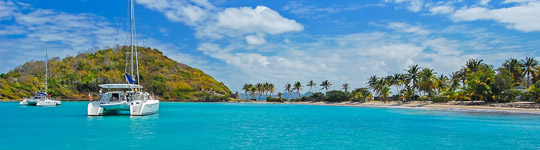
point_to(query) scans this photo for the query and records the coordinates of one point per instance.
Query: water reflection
(142, 129)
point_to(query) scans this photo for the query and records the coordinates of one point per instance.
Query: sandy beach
(451, 106)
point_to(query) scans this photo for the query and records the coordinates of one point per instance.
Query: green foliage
(534, 91)
(315, 97)
(336, 96)
(502, 87)
(361, 95)
(76, 76)
(273, 99)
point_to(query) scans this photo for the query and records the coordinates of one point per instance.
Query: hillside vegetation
(76, 76)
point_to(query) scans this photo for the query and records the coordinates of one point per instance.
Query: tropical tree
(413, 76)
(372, 81)
(311, 84)
(478, 83)
(246, 87)
(513, 67)
(427, 81)
(253, 91)
(288, 88)
(266, 88)
(260, 89)
(345, 87)
(361, 95)
(297, 87)
(326, 85)
(529, 64)
(399, 81)
(441, 83)
(384, 93)
(280, 96)
(271, 89)
(502, 86)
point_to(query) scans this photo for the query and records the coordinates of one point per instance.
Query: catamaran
(39, 96)
(120, 98)
(42, 98)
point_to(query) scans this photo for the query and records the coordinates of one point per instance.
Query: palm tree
(260, 88)
(472, 65)
(441, 83)
(271, 89)
(455, 78)
(345, 87)
(298, 87)
(372, 82)
(384, 93)
(311, 84)
(528, 68)
(246, 87)
(280, 95)
(253, 91)
(326, 85)
(514, 69)
(266, 88)
(427, 77)
(413, 76)
(399, 81)
(288, 88)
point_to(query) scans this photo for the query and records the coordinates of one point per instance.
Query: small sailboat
(47, 101)
(42, 98)
(125, 97)
(38, 96)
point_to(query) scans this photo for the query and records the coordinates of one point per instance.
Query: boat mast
(46, 66)
(135, 37)
(131, 34)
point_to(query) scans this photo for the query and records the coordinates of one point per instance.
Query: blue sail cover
(41, 93)
(129, 79)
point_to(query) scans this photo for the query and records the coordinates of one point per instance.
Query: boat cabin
(122, 92)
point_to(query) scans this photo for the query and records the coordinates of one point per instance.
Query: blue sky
(281, 41)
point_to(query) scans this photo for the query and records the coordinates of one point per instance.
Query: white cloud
(523, 17)
(255, 39)
(211, 23)
(259, 20)
(404, 27)
(7, 9)
(443, 9)
(66, 34)
(191, 12)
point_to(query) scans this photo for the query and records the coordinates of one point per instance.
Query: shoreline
(416, 105)
(435, 106)
(421, 106)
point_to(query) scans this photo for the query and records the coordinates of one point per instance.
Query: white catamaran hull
(139, 108)
(136, 108)
(48, 103)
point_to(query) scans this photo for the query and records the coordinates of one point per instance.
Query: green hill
(75, 76)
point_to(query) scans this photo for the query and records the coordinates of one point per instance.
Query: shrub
(336, 96)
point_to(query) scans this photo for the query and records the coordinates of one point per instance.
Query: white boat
(125, 97)
(42, 98)
(121, 98)
(32, 101)
(48, 102)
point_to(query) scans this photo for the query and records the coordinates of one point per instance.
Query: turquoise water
(263, 126)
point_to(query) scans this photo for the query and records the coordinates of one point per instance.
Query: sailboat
(42, 98)
(119, 98)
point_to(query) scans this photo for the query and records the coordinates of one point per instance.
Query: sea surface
(263, 126)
